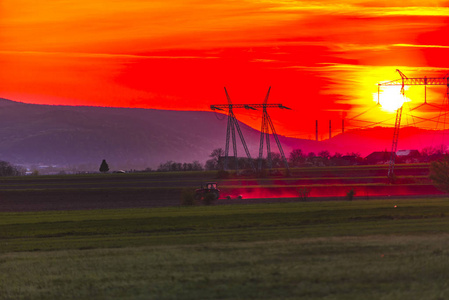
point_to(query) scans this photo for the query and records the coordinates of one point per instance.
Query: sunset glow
(323, 59)
(390, 98)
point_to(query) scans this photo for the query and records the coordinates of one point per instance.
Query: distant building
(378, 157)
(408, 156)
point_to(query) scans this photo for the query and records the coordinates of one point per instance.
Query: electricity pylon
(233, 124)
(403, 82)
(265, 133)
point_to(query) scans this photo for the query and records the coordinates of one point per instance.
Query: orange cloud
(320, 56)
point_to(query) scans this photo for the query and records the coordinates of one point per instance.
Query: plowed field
(98, 191)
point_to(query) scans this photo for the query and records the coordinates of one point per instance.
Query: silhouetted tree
(324, 154)
(355, 154)
(439, 173)
(104, 167)
(276, 160)
(336, 159)
(217, 153)
(296, 158)
(311, 159)
(357, 157)
(176, 166)
(433, 153)
(215, 163)
(210, 165)
(6, 169)
(337, 155)
(171, 166)
(350, 195)
(197, 166)
(323, 158)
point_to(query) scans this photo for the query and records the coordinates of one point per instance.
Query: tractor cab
(211, 185)
(210, 188)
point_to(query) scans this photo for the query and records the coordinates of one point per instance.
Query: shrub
(350, 195)
(439, 174)
(303, 193)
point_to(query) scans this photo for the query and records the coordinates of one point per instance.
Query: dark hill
(125, 137)
(139, 138)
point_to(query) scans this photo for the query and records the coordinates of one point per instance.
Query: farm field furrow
(377, 249)
(156, 189)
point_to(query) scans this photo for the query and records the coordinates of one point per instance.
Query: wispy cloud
(331, 50)
(420, 46)
(134, 26)
(363, 8)
(105, 55)
(264, 60)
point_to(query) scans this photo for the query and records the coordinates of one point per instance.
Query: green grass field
(300, 250)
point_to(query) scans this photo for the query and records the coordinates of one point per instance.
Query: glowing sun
(391, 99)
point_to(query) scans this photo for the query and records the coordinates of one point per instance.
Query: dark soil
(112, 191)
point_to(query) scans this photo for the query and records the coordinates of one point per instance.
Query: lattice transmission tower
(267, 124)
(403, 82)
(233, 125)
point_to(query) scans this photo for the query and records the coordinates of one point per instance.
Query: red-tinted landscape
(105, 106)
(132, 82)
(323, 59)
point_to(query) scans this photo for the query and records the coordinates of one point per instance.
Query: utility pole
(330, 129)
(316, 130)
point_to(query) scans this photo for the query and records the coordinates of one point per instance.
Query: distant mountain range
(139, 138)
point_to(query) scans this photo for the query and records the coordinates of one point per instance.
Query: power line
(362, 113)
(266, 125)
(403, 82)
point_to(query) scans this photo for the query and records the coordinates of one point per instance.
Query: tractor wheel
(198, 197)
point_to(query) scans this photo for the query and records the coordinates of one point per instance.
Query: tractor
(209, 189)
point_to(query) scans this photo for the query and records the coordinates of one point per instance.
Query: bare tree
(439, 173)
(296, 158)
(215, 163)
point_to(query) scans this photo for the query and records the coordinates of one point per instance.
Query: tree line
(7, 169)
(298, 158)
(171, 166)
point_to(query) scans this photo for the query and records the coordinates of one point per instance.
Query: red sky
(321, 58)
